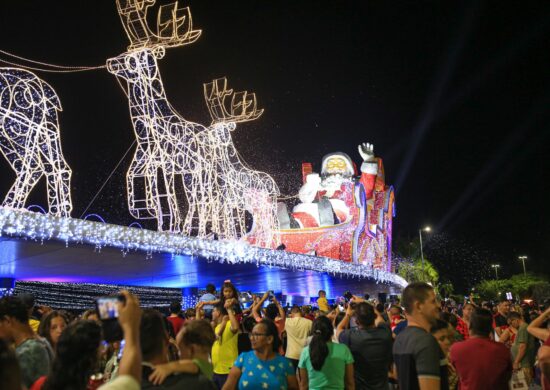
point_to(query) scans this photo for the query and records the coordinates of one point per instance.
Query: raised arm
(232, 319)
(282, 314)
(256, 307)
(535, 327)
(130, 319)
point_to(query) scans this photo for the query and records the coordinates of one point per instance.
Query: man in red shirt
(480, 362)
(174, 317)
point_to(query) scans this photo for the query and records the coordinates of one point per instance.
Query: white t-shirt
(122, 382)
(297, 330)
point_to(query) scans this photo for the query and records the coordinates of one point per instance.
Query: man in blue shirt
(209, 300)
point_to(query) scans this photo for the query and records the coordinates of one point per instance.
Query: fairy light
(218, 188)
(40, 227)
(29, 134)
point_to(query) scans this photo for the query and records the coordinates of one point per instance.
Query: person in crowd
(129, 373)
(322, 302)
(244, 344)
(464, 321)
(190, 314)
(208, 300)
(10, 373)
(370, 344)
(195, 343)
(337, 319)
(76, 357)
(306, 310)
(444, 333)
(297, 330)
(480, 362)
(419, 360)
(175, 316)
(274, 311)
(225, 348)
(380, 311)
(523, 349)
(263, 367)
(508, 335)
(395, 316)
(52, 325)
(500, 320)
(154, 343)
(544, 363)
(28, 301)
(34, 354)
(323, 364)
(229, 292)
(92, 315)
(535, 328)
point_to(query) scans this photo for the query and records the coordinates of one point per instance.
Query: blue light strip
(39, 227)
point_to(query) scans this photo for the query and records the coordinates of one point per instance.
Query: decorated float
(342, 225)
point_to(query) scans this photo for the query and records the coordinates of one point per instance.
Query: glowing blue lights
(39, 227)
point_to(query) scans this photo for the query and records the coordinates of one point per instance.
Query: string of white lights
(30, 139)
(40, 227)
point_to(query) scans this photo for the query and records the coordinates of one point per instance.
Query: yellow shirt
(297, 331)
(225, 350)
(323, 304)
(34, 324)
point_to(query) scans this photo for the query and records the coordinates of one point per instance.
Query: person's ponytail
(318, 348)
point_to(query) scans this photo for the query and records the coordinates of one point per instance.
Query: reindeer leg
(173, 207)
(19, 191)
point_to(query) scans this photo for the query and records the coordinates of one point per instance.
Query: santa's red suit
(337, 186)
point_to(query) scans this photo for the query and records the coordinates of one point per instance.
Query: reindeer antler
(243, 105)
(174, 25)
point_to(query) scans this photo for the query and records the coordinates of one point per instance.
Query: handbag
(518, 381)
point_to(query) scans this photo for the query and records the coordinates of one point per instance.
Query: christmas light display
(173, 152)
(343, 216)
(39, 227)
(30, 140)
(238, 188)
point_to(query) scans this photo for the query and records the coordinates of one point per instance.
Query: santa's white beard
(333, 183)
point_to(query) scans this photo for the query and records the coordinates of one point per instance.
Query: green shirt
(332, 373)
(205, 368)
(524, 337)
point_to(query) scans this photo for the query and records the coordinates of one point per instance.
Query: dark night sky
(454, 96)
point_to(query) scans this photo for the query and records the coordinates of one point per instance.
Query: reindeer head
(174, 25)
(241, 108)
(133, 64)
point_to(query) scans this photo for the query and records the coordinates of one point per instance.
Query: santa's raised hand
(366, 151)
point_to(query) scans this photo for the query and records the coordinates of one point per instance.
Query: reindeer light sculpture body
(240, 188)
(217, 186)
(30, 141)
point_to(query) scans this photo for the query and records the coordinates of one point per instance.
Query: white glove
(366, 151)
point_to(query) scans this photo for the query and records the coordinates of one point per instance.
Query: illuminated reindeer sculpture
(30, 141)
(170, 148)
(239, 188)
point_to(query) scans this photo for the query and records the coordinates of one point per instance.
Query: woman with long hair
(52, 325)
(324, 364)
(76, 358)
(263, 367)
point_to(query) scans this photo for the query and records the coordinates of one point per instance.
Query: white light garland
(30, 140)
(39, 227)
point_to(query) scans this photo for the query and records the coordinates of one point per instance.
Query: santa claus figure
(326, 199)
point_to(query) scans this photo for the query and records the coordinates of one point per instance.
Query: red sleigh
(362, 237)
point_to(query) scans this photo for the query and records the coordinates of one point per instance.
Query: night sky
(454, 96)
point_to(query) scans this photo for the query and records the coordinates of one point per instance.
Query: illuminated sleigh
(362, 235)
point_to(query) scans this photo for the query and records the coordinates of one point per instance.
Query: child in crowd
(195, 343)
(322, 302)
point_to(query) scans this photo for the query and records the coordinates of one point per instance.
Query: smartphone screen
(121, 350)
(107, 307)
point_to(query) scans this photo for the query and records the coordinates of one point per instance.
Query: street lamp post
(523, 258)
(496, 267)
(426, 229)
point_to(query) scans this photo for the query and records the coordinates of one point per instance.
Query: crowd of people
(416, 342)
